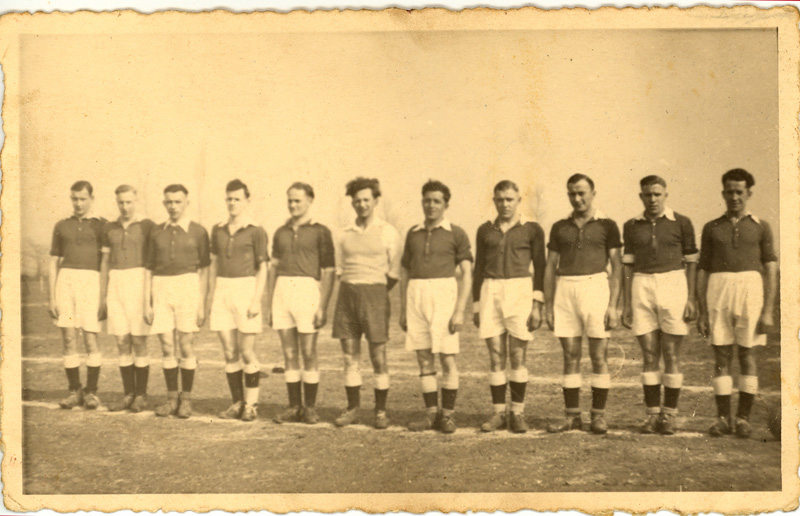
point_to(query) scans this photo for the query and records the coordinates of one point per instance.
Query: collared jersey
(500, 255)
(241, 254)
(584, 251)
(368, 255)
(736, 247)
(304, 251)
(175, 249)
(435, 253)
(660, 245)
(78, 242)
(126, 245)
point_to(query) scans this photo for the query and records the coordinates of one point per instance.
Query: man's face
(434, 205)
(581, 196)
(654, 198)
(364, 203)
(298, 202)
(506, 202)
(126, 202)
(175, 203)
(81, 202)
(236, 202)
(736, 195)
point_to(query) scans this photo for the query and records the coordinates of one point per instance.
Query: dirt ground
(79, 451)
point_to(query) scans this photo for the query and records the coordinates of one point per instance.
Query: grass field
(82, 452)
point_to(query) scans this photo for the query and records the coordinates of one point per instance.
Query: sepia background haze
(467, 107)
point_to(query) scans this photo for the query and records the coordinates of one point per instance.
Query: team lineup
(586, 279)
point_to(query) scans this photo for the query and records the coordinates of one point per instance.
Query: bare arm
(212, 281)
(690, 313)
(55, 265)
(770, 294)
(104, 266)
(201, 310)
(148, 298)
(261, 283)
(403, 297)
(272, 278)
(702, 306)
(325, 290)
(464, 290)
(550, 285)
(627, 295)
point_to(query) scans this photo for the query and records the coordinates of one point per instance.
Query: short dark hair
(176, 188)
(574, 178)
(506, 184)
(235, 185)
(307, 188)
(436, 186)
(739, 174)
(77, 186)
(362, 183)
(124, 188)
(652, 180)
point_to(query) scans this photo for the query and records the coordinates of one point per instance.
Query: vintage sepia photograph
(400, 260)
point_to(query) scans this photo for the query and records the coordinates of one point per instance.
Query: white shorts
(505, 307)
(429, 307)
(735, 300)
(580, 306)
(658, 302)
(78, 299)
(232, 298)
(294, 303)
(175, 303)
(125, 301)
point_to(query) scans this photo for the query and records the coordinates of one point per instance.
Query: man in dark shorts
(368, 263)
(75, 293)
(299, 287)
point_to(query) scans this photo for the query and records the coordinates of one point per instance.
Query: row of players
(161, 278)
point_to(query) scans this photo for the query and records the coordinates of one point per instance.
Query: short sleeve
(260, 245)
(613, 240)
(552, 243)
(705, 248)
(327, 254)
(688, 241)
(203, 248)
(391, 242)
(463, 250)
(628, 256)
(56, 246)
(768, 253)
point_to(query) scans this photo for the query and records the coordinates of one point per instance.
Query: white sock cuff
(252, 368)
(381, 381)
(94, 360)
(450, 381)
(518, 375)
(673, 381)
(651, 378)
(601, 381)
(310, 376)
(748, 384)
(169, 363)
(141, 361)
(189, 363)
(72, 361)
(517, 407)
(291, 375)
(571, 381)
(497, 378)
(723, 385)
(125, 360)
(233, 367)
(428, 383)
(352, 379)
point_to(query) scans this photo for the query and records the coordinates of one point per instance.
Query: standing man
(175, 290)
(299, 287)
(368, 263)
(432, 303)
(506, 308)
(74, 282)
(581, 298)
(659, 297)
(237, 278)
(122, 274)
(736, 302)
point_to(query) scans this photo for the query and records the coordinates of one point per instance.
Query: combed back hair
(124, 188)
(78, 186)
(307, 188)
(652, 180)
(574, 178)
(436, 186)
(235, 185)
(176, 188)
(506, 184)
(739, 174)
(362, 183)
